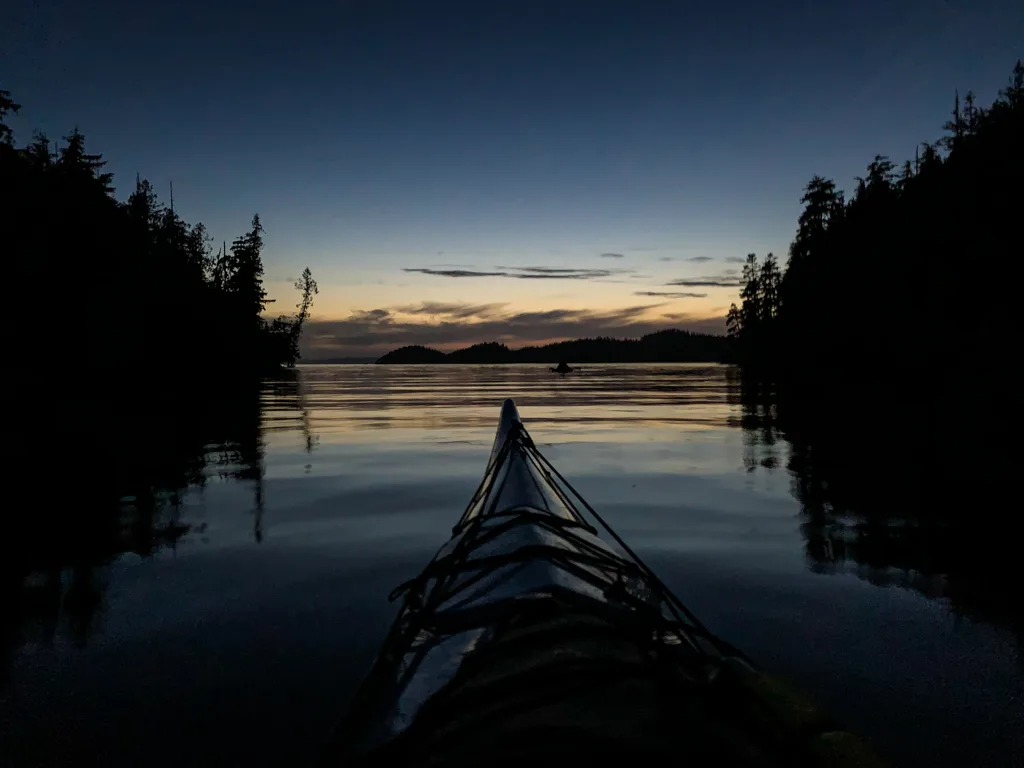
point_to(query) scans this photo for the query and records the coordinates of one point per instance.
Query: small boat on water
(563, 368)
(529, 638)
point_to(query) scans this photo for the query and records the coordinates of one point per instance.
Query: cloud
(706, 282)
(582, 275)
(522, 273)
(372, 315)
(455, 325)
(736, 259)
(543, 270)
(454, 272)
(694, 259)
(560, 273)
(451, 310)
(612, 256)
(671, 294)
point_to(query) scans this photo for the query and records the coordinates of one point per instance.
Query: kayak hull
(509, 550)
(529, 637)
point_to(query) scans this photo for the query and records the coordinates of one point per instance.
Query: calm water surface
(235, 619)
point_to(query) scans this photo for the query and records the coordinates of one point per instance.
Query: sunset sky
(455, 172)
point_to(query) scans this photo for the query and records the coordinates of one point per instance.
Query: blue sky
(378, 136)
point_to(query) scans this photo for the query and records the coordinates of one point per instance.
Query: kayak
(530, 636)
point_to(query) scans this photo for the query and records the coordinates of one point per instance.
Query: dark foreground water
(228, 605)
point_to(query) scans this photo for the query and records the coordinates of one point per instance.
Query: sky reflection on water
(240, 633)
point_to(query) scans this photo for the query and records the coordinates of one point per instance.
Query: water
(228, 603)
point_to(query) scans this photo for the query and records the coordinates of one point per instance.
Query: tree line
(911, 271)
(107, 285)
(880, 353)
(133, 347)
(668, 346)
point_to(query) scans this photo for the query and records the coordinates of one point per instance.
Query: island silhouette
(668, 346)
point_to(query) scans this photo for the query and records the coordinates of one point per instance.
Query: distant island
(669, 346)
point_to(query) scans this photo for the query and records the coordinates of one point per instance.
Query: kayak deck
(529, 634)
(521, 547)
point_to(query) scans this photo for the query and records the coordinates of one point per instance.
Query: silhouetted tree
(221, 268)
(733, 325)
(906, 175)
(1013, 94)
(752, 327)
(245, 279)
(878, 182)
(881, 174)
(78, 166)
(39, 153)
(954, 126)
(7, 106)
(822, 204)
(971, 115)
(929, 158)
(199, 255)
(308, 288)
(769, 281)
(750, 309)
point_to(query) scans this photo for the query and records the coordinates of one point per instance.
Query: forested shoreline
(880, 354)
(908, 270)
(106, 285)
(137, 353)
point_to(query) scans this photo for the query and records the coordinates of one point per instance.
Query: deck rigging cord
(585, 562)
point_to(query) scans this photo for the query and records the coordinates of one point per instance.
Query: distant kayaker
(563, 368)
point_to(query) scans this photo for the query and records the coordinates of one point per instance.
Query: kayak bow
(529, 637)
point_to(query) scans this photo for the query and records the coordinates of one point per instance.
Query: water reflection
(465, 396)
(879, 496)
(177, 566)
(888, 493)
(121, 472)
(115, 484)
